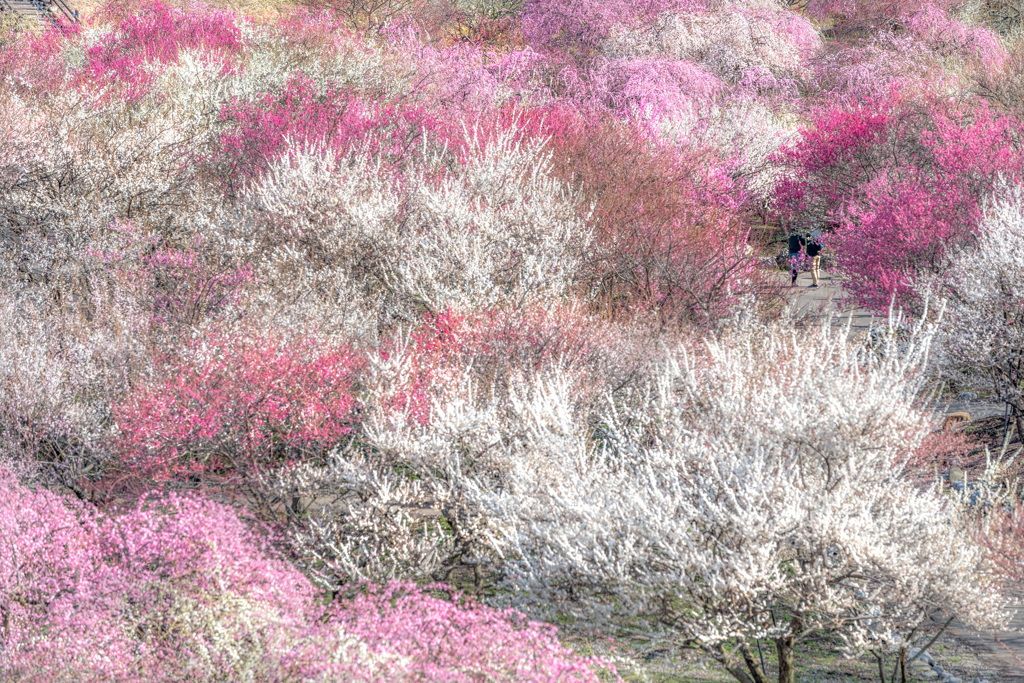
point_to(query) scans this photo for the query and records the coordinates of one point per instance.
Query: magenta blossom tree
(157, 32)
(902, 181)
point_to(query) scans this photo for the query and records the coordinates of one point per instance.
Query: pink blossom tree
(448, 637)
(157, 32)
(236, 405)
(901, 181)
(176, 587)
(181, 588)
(670, 240)
(851, 16)
(303, 116)
(578, 27)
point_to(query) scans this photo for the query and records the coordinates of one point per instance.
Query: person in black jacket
(814, 252)
(796, 245)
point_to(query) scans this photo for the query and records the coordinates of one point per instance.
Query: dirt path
(1004, 650)
(829, 298)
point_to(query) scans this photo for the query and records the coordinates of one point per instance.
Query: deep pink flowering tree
(911, 216)
(830, 161)
(156, 33)
(336, 119)
(33, 62)
(902, 181)
(236, 405)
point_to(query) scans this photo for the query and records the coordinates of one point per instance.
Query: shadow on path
(1004, 649)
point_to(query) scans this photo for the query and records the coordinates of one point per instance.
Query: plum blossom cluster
(496, 231)
(984, 288)
(725, 498)
(468, 292)
(237, 404)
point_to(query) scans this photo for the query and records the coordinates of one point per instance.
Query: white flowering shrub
(754, 489)
(497, 230)
(359, 519)
(396, 505)
(982, 336)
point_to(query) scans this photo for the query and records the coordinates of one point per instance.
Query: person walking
(814, 248)
(796, 246)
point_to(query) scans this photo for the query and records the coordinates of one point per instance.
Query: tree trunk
(1018, 419)
(784, 647)
(739, 673)
(731, 664)
(753, 665)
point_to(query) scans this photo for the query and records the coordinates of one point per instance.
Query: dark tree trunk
(753, 665)
(731, 664)
(1018, 419)
(784, 647)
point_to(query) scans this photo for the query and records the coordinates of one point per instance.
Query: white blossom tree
(498, 230)
(982, 337)
(395, 503)
(755, 489)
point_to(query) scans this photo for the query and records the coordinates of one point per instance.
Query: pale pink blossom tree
(181, 588)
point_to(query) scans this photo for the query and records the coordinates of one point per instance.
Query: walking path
(1003, 650)
(829, 298)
